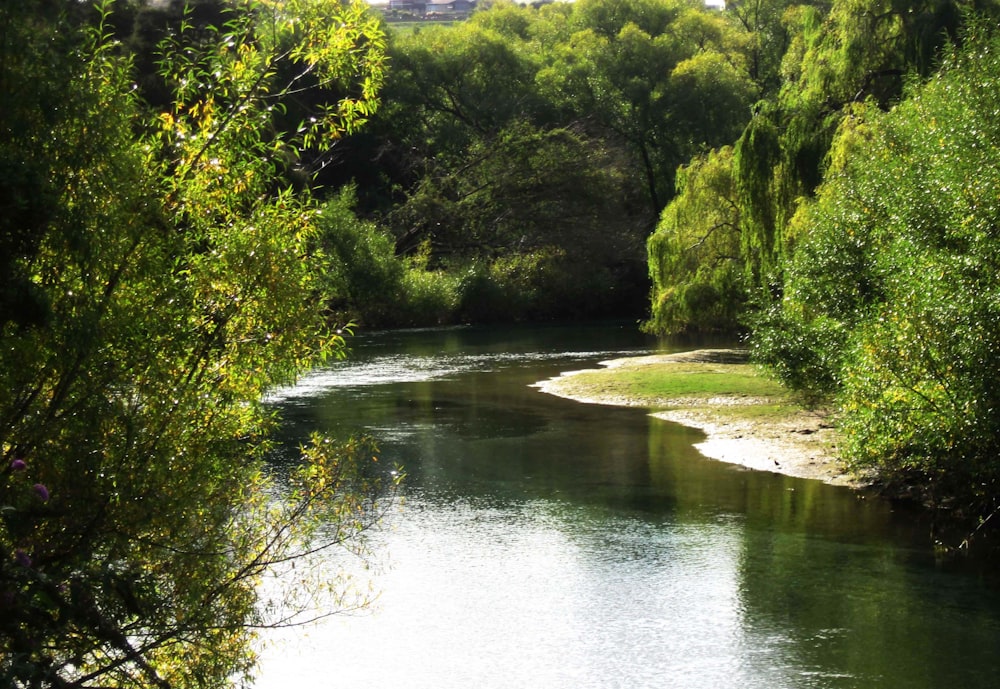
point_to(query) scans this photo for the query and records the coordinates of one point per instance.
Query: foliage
(694, 255)
(429, 297)
(646, 71)
(769, 36)
(711, 100)
(172, 277)
(366, 278)
(520, 189)
(805, 355)
(757, 156)
(547, 139)
(544, 284)
(561, 127)
(861, 202)
(901, 262)
(855, 52)
(518, 193)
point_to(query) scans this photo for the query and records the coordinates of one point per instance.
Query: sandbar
(801, 443)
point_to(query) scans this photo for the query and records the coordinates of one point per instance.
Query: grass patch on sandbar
(662, 386)
(696, 381)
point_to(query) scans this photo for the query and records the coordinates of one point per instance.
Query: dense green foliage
(167, 256)
(901, 263)
(836, 60)
(159, 276)
(857, 52)
(525, 154)
(694, 256)
(851, 228)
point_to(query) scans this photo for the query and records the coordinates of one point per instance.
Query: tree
(838, 58)
(493, 185)
(900, 268)
(549, 138)
(162, 276)
(617, 68)
(465, 81)
(694, 255)
(768, 31)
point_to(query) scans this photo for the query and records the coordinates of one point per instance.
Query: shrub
(363, 272)
(895, 294)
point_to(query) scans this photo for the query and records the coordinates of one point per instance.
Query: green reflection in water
(838, 585)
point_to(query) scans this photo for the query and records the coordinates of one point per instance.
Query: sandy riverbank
(800, 443)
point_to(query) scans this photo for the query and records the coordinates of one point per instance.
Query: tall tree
(768, 31)
(694, 255)
(636, 69)
(837, 58)
(161, 277)
(892, 297)
(489, 170)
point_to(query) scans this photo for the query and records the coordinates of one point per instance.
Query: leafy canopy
(161, 276)
(900, 266)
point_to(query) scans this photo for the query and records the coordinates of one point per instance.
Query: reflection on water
(544, 543)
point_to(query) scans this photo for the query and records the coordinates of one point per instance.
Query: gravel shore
(801, 443)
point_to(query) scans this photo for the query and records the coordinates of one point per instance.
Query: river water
(549, 544)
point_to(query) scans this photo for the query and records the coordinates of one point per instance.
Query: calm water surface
(551, 544)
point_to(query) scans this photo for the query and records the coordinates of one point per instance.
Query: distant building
(451, 7)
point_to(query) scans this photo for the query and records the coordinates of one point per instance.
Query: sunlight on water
(535, 595)
(383, 370)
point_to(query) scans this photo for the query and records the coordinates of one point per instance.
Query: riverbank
(746, 419)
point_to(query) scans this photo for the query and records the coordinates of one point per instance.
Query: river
(549, 544)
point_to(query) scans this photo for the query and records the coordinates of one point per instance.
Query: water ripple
(406, 368)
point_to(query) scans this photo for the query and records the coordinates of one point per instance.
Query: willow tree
(695, 260)
(892, 299)
(159, 276)
(853, 52)
(768, 34)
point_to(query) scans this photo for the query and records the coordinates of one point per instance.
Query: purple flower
(21, 558)
(42, 492)
(18, 465)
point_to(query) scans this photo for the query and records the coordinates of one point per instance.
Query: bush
(429, 297)
(805, 355)
(895, 294)
(363, 272)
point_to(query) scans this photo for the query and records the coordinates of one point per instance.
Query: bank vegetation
(196, 199)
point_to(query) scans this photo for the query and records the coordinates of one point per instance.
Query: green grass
(657, 385)
(663, 387)
(699, 380)
(693, 387)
